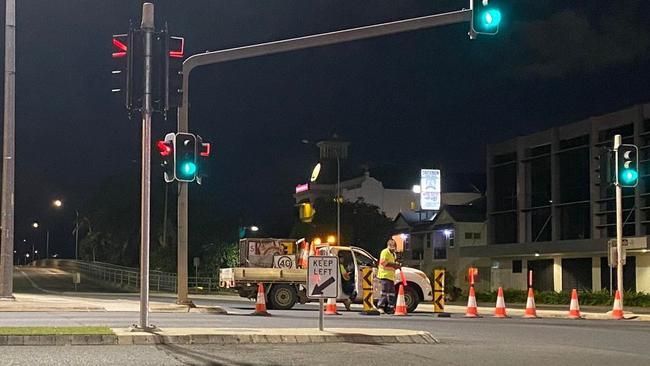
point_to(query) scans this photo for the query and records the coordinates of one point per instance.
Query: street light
(242, 230)
(314, 176)
(58, 203)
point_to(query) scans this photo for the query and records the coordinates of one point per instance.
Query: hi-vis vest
(386, 272)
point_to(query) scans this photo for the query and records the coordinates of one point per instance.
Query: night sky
(424, 99)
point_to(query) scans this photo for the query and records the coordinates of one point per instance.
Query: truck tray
(229, 277)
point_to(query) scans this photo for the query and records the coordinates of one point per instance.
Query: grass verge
(55, 330)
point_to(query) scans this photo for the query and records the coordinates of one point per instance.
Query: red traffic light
(119, 41)
(164, 148)
(205, 146)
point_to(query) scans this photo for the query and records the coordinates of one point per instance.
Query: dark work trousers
(387, 295)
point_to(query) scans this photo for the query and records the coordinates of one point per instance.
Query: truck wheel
(411, 298)
(282, 297)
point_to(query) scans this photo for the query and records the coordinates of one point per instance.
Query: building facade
(548, 212)
(435, 241)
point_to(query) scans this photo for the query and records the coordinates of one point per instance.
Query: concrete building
(372, 191)
(548, 212)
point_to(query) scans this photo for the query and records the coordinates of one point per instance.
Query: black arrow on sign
(318, 289)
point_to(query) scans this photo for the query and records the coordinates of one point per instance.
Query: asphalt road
(484, 341)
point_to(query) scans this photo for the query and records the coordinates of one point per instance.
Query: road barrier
(129, 277)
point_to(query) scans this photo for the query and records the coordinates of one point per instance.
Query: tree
(362, 224)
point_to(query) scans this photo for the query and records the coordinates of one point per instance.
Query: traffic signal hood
(627, 165)
(485, 17)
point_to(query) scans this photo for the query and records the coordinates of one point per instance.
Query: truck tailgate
(228, 277)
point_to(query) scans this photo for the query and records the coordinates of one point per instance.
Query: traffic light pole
(145, 204)
(8, 161)
(269, 48)
(619, 223)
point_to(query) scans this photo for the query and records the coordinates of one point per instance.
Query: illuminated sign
(302, 187)
(430, 191)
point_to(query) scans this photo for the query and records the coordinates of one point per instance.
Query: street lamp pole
(47, 243)
(338, 198)
(76, 236)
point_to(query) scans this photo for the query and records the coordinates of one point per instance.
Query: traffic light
(606, 163)
(185, 162)
(306, 212)
(485, 17)
(128, 68)
(203, 150)
(166, 150)
(169, 51)
(627, 165)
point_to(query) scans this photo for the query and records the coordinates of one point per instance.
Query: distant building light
(537, 254)
(331, 239)
(302, 187)
(417, 189)
(447, 233)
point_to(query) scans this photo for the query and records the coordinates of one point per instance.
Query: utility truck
(277, 264)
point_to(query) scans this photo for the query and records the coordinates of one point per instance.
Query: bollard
(439, 293)
(366, 284)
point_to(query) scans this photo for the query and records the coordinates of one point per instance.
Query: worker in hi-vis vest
(386, 274)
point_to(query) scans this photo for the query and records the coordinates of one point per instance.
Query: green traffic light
(629, 176)
(188, 168)
(491, 18)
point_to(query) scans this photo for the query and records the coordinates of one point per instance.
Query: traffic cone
(330, 308)
(260, 304)
(574, 308)
(400, 307)
(304, 255)
(500, 310)
(472, 311)
(617, 311)
(312, 249)
(531, 312)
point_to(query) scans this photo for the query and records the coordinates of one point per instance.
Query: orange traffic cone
(472, 311)
(500, 310)
(531, 312)
(330, 308)
(260, 304)
(617, 311)
(312, 249)
(574, 308)
(304, 255)
(400, 307)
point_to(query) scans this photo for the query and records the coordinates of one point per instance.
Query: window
(450, 239)
(427, 239)
(440, 240)
(477, 236)
(363, 260)
(516, 266)
(469, 235)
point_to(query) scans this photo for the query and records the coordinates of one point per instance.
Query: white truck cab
(352, 258)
